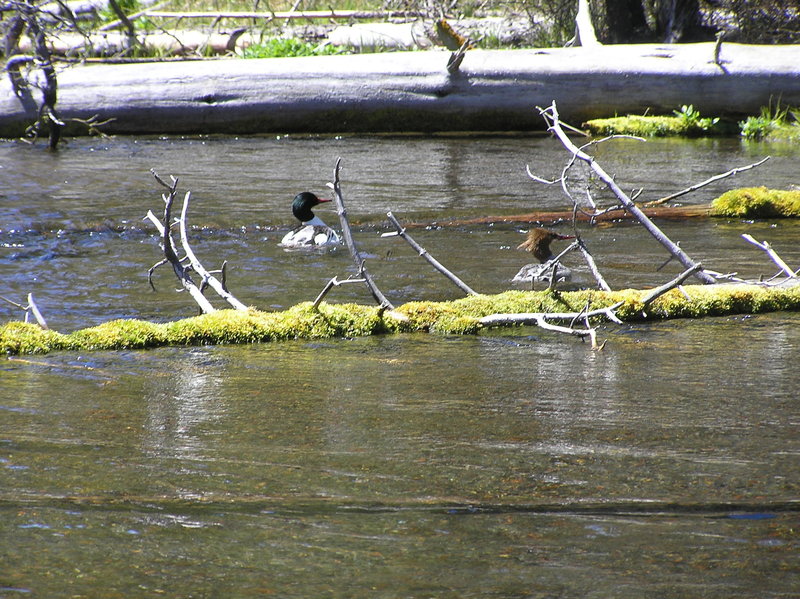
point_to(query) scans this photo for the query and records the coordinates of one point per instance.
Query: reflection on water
(183, 404)
(510, 464)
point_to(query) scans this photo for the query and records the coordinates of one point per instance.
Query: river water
(515, 463)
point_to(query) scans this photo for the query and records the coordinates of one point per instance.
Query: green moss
(757, 202)
(119, 334)
(641, 126)
(28, 338)
(352, 320)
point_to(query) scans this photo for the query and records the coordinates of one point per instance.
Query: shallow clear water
(516, 463)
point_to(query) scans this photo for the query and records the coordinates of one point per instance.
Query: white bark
(412, 91)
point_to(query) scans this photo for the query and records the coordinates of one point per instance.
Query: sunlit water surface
(515, 463)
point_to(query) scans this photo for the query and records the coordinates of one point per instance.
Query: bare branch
(733, 171)
(168, 246)
(772, 254)
(208, 278)
(334, 282)
(424, 253)
(659, 291)
(348, 238)
(551, 116)
(30, 308)
(592, 266)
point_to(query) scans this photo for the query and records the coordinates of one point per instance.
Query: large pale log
(412, 91)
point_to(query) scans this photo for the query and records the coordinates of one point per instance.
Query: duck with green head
(312, 232)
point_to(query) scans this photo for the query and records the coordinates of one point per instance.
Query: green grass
(291, 47)
(773, 124)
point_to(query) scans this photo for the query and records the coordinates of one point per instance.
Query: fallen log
(494, 90)
(462, 316)
(557, 216)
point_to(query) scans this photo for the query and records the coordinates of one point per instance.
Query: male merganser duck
(312, 232)
(538, 243)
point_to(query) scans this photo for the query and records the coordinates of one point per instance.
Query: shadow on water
(510, 464)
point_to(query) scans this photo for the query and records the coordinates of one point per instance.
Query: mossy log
(757, 202)
(743, 202)
(352, 320)
(494, 90)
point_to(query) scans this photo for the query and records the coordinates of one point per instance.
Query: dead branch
(208, 278)
(401, 232)
(30, 308)
(772, 254)
(272, 15)
(454, 62)
(541, 319)
(584, 30)
(733, 171)
(168, 246)
(601, 282)
(348, 238)
(334, 282)
(554, 124)
(659, 291)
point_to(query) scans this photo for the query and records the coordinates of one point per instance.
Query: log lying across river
(494, 90)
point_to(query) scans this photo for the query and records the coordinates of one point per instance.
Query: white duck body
(311, 234)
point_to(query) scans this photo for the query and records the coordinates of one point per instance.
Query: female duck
(312, 232)
(538, 243)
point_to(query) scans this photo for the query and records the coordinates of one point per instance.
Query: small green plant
(776, 123)
(288, 47)
(692, 121)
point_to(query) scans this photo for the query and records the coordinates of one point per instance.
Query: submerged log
(412, 91)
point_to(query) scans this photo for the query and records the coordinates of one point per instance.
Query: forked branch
(550, 115)
(184, 266)
(351, 245)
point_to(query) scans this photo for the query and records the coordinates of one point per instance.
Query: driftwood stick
(168, 246)
(30, 308)
(540, 319)
(708, 181)
(348, 238)
(772, 254)
(208, 278)
(601, 282)
(424, 253)
(659, 291)
(496, 320)
(334, 282)
(551, 116)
